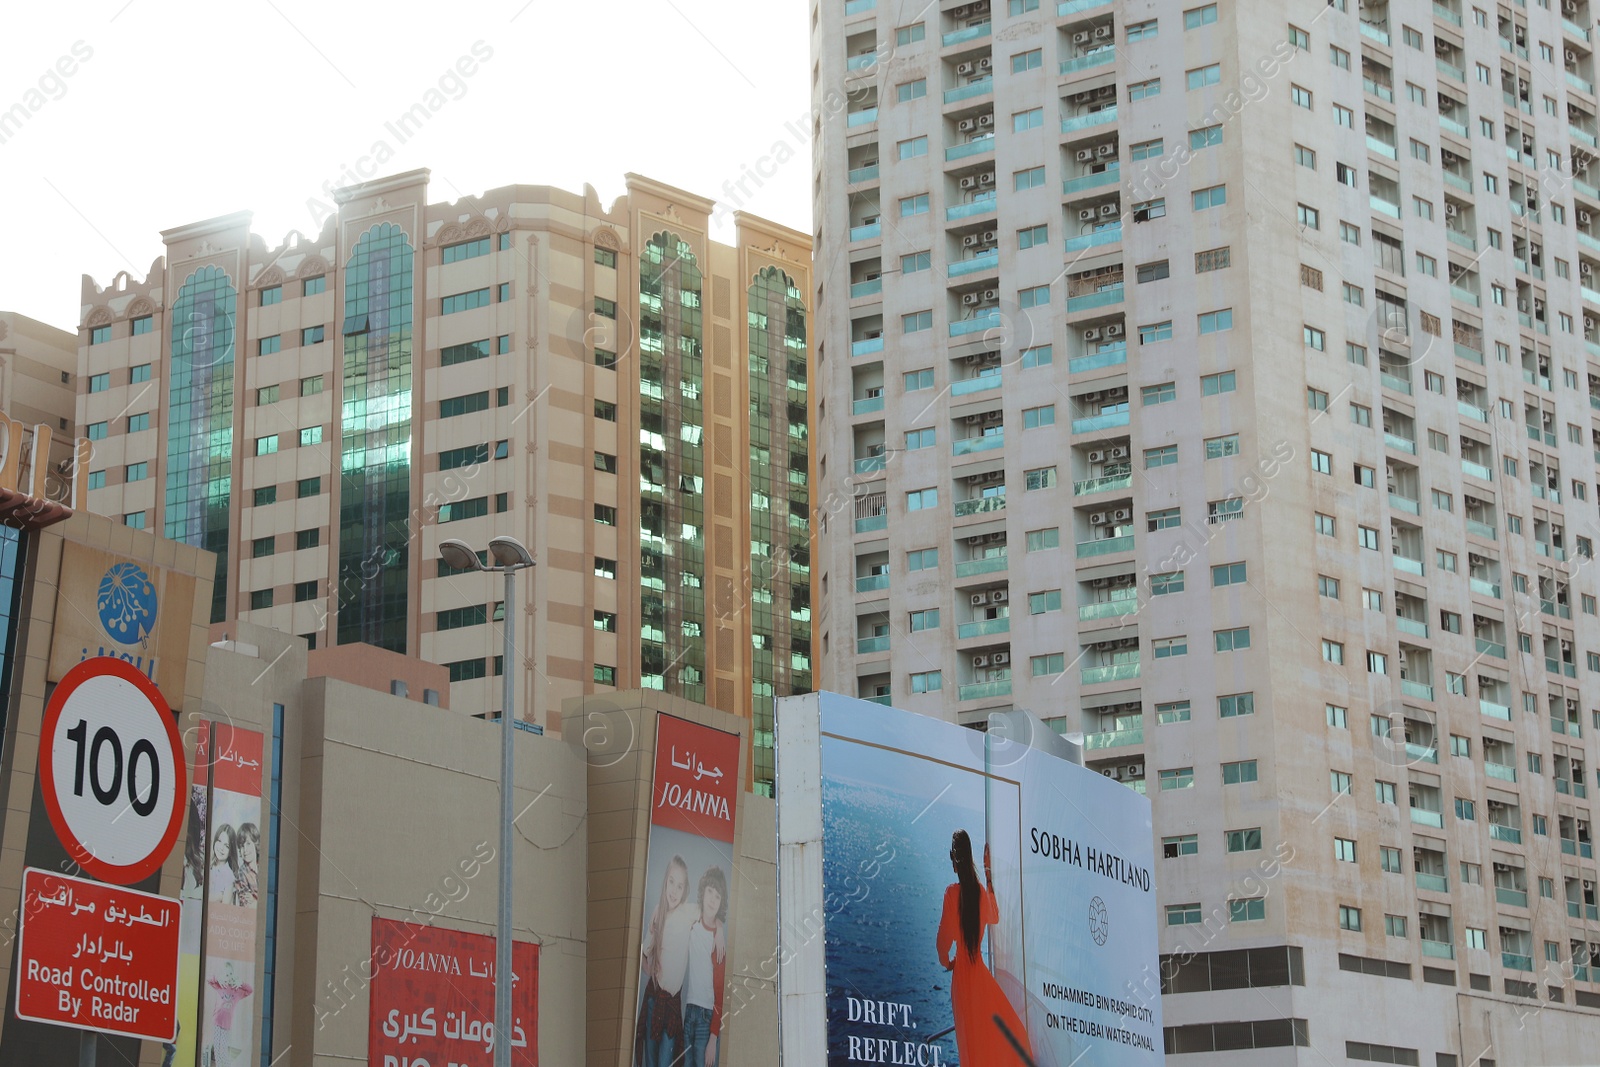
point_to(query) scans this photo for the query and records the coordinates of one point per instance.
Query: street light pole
(510, 556)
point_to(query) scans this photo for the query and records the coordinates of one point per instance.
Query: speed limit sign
(111, 770)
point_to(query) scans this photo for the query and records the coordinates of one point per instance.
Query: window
(1039, 478)
(267, 394)
(910, 34)
(1150, 209)
(313, 286)
(916, 322)
(1333, 651)
(1177, 778)
(1228, 574)
(306, 487)
(1216, 321)
(916, 261)
(605, 568)
(1171, 647)
(1328, 587)
(1477, 939)
(1166, 583)
(260, 598)
(606, 462)
(1144, 90)
(1389, 859)
(1214, 384)
(1183, 914)
(1300, 97)
(311, 335)
(1349, 918)
(1250, 909)
(311, 386)
(922, 559)
(1055, 663)
(1180, 845)
(1038, 540)
(1466, 810)
(266, 446)
(1305, 157)
(1036, 296)
(1316, 400)
(1384, 791)
(1177, 711)
(99, 335)
(603, 358)
(1314, 339)
(136, 472)
(605, 515)
(1033, 418)
(266, 346)
(1142, 31)
(1031, 119)
(311, 435)
(307, 538)
(271, 296)
(1152, 272)
(97, 479)
(463, 405)
(462, 353)
(465, 250)
(1344, 850)
(919, 439)
(266, 495)
(1163, 519)
(925, 620)
(1222, 447)
(304, 591)
(1201, 77)
(1214, 196)
(1321, 462)
(1366, 477)
(1343, 116)
(1165, 456)
(919, 499)
(1040, 603)
(1338, 717)
(1024, 61)
(918, 379)
(1206, 137)
(1156, 331)
(1199, 16)
(1243, 840)
(263, 546)
(1234, 640)
(140, 372)
(1038, 356)
(1235, 705)
(911, 149)
(911, 90)
(604, 675)
(1424, 208)
(1033, 236)
(1146, 150)
(1326, 525)
(927, 682)
(1308, 217)
(1224, 510)
(1164, 393)
(914, 205)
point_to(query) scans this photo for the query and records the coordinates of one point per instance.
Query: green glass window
(477, 298)
(465, 250)
(270, 296)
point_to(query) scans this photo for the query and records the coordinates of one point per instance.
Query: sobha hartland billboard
(954, 897)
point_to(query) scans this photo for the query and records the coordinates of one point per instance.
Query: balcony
(1414, 627)
(984, 628)
(1450, 70)
(871, 231)
(977, 384)
(1481, 529)
(1406, 564)
(1105, 235)
(1382, 206)
(868, 645)
(1421, 753)
(1494, 711)
(1574, 29)
(1456, 237)
(1512, 961)
(865, 61)
(1433, 883)
(1376, 31)
(866, 406)
(862, 118)
(862, 174)
(1100, 57)
(1466, 296)
(975, 147)
(984, 690)
(1079, 7)
(1105, 546)
(1112, 294)
(1111, 672)
(969, 33)
(1440, 11)
(966, 446)
(1484, 588)
(1515, 898)
(1438, 950)
(1416, 690)
(872, 583)
(1108, 609)
(1089, 120)
(1114, 738)
(871, 287)
(969, 568)
(1109, 176)
(980, 505)
(1404, 503)
(1108, 421)
(1383, 148)
(1424, 817)
(983, 261)
(871, 464)
(866, 346)
(1500, 771)
(1490, 648)
(976, 87)
(872, 523)
(1471, 355)
(1396, 442)
(885, 700)
(1100, 485)
(976, 324)
(1114, 356)
(977, 206)
(1509, 834)
(1391, 381)
(1477, 470)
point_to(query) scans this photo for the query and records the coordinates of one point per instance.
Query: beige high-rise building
(610, 385)
(1220, 381)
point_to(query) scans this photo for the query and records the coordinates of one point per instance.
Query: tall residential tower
(613, 387)
(1221, 382)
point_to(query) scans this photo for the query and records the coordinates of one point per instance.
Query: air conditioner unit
(1585, 268)
(1082, 98)
(988, 239)
(1584, 218)
(969, 182)
(964, 68)
(1081, 37)
(978, 598)
(1099, 583)
(985, 120)
(1119, 393)
(969, 241)
(1090, 397)
(973, 359)
(1118, 452)
(1092, 333)
(1522, 303)
(1449, 210)
(1571, 56)
(976, 539)
(969, 299)
(1134, 770)
(1097, 518)
(1107, 149)
(1000, 658)
(1441, 47)
(989, 294)
(1122, 515)
(973, 420)
(1085, 155)
(965, 125)
(1085, 214)
(1102, 32)
(1114, 330)
(996, 538)
(1105, 91)
(983, 64)
(1097, 456)
(999, 596)
(986, 178)
(1108, 210)
(980, 661)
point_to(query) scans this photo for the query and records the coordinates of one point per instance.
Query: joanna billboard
(974, 901)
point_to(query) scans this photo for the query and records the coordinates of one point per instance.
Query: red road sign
(111, 769)
(97, 957)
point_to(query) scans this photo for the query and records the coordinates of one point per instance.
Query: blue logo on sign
(127, 603)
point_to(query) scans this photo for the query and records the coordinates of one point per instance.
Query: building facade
(1220, 382)
(624, 394)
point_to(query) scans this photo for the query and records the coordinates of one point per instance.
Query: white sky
(191, 109)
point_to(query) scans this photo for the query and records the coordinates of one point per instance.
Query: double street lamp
(510, 556)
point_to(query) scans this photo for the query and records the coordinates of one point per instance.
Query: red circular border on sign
(95, 667)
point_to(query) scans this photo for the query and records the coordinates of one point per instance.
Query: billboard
(973, 901)
(432, 998)
(688, 872)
